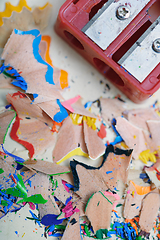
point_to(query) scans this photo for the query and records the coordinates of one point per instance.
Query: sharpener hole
(108, 72)
(73, 40)
(75, 1)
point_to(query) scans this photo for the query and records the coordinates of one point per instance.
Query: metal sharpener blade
(111, 20)
(144, 55)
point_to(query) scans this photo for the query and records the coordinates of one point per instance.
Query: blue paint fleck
(109, 172)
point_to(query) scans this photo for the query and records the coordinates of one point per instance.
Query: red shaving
(13, 179)
(157, 174)
(2, 153)
(14, 136)
(20, 94)
(102, 132)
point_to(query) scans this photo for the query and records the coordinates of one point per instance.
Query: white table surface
(84, 80)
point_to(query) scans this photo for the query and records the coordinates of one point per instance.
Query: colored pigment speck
(119, 205)
(108, 172)
(23, 235)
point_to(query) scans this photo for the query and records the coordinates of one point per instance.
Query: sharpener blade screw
(156, 45)
(122, 12)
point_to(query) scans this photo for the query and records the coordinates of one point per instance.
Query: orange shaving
(131, 221)
(47, 39)
(141, 190)
(54, 128)
(155, 228)
(136, 219)
(114, 211)
(64, 74)
(64, 79)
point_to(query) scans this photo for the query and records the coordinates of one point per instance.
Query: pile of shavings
(78, 201)
(82, 201)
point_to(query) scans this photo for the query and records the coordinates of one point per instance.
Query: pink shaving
(68, 210)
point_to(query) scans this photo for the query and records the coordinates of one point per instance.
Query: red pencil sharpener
(120, 38)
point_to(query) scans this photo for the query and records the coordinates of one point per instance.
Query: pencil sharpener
(120, 38)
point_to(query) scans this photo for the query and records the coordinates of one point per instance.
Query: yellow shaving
(77, 119)
(124, 145)
(76, 152)
(146, 156)
(90, 122)
(47, 4)
(10, 8)
(157, 111)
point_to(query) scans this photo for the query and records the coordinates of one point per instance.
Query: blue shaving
(18, 81)
(8, 106)
(116, 215)
(50, 219)
(118, 139)
(36, 42)
(58, 235)
(124, 230)
(144, 176)
(110, 233)
(88, 104)
(68, 199)
(113, 123)
(19, 166)
(30, 182)
(51, 228)
(35, 95)
(61, 115)
(2, 68)
(69, 185)
(10, 205)
(16, 158)
(5, 209)
(35, 217)
(22, 173)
